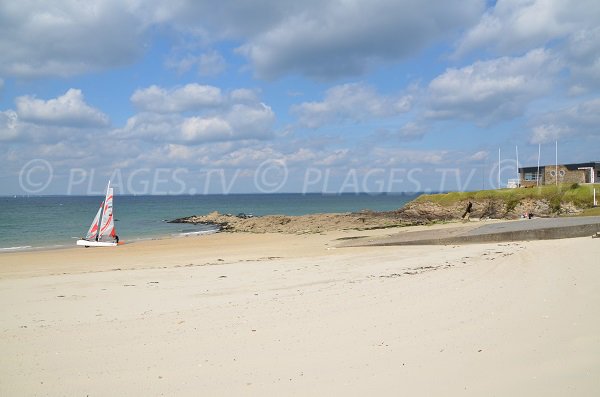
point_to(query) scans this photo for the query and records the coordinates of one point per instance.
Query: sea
(35, 222)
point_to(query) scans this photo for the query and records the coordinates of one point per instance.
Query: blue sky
(287, 96)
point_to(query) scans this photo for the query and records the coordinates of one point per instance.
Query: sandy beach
(276, 314)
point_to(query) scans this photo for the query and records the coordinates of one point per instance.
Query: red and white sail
(93, 231)
(102, 231)
(107, 226)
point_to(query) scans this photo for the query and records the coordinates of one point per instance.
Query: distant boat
(102, 231)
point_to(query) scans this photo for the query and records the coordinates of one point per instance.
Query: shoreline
(324, 223)
(28, 248)
(173, 251)
(394, 234)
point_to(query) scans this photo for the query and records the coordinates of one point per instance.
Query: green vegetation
(580, 195)
(591, 211)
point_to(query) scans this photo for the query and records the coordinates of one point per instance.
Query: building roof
(531, 169)
(570, 167)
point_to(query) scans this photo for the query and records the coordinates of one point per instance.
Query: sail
(107, 226)
(91, 234)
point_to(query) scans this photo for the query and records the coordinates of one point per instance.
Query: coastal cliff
(427, 208)
(545, 201)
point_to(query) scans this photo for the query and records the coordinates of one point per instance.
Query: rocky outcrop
(313, 223)
(429, 211)
(418, 212)
(486, 208)
(433, 211)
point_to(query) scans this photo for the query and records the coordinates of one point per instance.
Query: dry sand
(269, 314)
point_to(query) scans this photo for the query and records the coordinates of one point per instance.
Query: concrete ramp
(521, 230)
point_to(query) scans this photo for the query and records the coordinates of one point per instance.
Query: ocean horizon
(55, 221)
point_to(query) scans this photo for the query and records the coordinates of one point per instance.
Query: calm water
(30, 222)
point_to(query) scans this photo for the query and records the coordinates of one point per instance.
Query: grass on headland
(590, 211)
(579, 195)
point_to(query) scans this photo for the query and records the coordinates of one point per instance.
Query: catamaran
(102, 231)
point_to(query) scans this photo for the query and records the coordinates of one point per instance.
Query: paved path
(526, 229)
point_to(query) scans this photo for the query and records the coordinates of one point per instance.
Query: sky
(275, 96)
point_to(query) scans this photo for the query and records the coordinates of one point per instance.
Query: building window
(561, 172)
(531, 176)
(552, 173)
(598, 174)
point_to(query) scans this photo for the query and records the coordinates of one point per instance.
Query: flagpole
(498, 168)
(556, 162)
(518, 175)
(538, 168)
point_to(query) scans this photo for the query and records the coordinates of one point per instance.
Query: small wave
(196, 233)
(21, 247)
(34, 248)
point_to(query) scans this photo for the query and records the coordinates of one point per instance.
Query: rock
(313, 223)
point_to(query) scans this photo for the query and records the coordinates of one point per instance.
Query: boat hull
(87, 243)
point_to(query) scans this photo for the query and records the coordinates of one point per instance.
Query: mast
(97, 236)
(107, 225)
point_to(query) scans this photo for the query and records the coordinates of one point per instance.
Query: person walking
(467, 215)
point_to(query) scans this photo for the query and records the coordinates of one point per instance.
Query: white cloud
(335, 39)
(489, 91)
(224, 20)
(582, 54)
(517, 25)
(191, 97)
(240, 122)
(65, 37)
(334, 158)
(548, 132)
(239, 116)
(205, 129)
(68, 110)
(150, 126)
(319, 38)
(578, 121)
(8, 126)
(183, 155)
(392, 157)
(196, 114)
(478, 156)
(409, 131)
(210, 63)
(182, 65)
(254, 121)
(246, 156)
(243, 95)
(350, 102)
